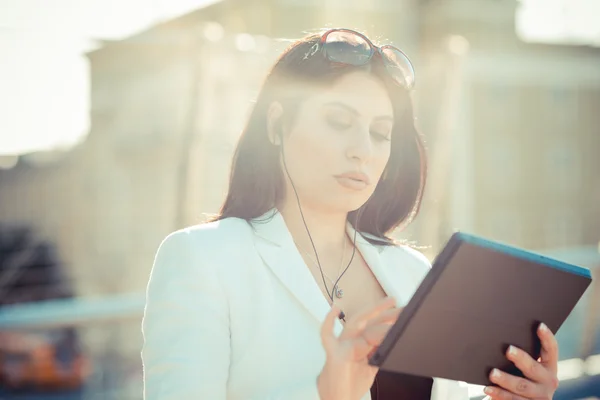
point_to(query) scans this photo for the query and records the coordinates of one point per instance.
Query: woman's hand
(540, 380)
(347, 373)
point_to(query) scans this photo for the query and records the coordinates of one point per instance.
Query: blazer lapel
(277, 249)
(372, 255)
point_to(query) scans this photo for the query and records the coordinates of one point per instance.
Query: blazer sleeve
(185, 326)
(186, 330)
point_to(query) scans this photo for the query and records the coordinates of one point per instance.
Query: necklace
(339, 292)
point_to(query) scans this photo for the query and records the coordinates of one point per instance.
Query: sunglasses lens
(348, 48)
(399, 66)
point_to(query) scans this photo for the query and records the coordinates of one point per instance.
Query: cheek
(314, 144)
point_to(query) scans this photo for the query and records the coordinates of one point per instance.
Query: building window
(505, 226)
(562, 108)
(503, 165)
(563, 228)
(562, 166)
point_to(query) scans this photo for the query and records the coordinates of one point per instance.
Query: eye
(382, 131)
(338, 120)
(381, 136)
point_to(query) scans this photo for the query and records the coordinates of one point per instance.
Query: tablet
(479, 297)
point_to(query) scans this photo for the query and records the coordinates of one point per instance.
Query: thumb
(327, 337)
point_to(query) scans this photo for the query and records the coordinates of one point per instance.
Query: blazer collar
(372, 254)
(276, 247)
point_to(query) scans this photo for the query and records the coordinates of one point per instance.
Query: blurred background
(118, 120)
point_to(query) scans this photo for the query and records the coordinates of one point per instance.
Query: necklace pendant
(339, 293)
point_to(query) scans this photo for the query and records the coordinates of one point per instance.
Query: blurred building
(167, 107)
(512, 130)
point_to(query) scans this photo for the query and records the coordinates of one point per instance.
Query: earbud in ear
(278, 139)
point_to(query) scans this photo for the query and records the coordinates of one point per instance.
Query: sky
(44, 95)
(44, 81)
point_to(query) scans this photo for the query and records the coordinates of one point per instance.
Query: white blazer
(232, 312)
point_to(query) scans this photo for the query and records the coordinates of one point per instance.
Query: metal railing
(71, 312)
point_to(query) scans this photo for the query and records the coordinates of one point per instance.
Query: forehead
(361, 91)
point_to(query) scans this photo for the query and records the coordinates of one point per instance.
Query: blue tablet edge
(439, 262)
(522, 254)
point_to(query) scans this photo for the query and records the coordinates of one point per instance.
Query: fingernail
(496, 373)
(488, 390)
(512, 351)
(544, 328)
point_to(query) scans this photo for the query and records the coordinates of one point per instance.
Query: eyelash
(381, 136)
(340, 126)
(343, 126)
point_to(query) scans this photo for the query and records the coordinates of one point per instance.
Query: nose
(360, 146)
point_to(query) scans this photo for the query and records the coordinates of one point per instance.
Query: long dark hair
(257, 183)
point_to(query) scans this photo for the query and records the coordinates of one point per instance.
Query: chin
(353, 202)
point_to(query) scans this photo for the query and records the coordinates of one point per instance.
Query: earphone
(342, 316)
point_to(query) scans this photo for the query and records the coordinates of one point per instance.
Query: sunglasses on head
(346, 46)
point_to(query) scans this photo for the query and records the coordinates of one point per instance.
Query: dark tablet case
(479, 297)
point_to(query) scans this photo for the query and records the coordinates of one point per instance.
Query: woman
(289, 290)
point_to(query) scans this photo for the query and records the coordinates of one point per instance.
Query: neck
(327, 229)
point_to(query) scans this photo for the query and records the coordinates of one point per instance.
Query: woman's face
(339, 144)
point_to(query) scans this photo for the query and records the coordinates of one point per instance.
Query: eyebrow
(355, 112)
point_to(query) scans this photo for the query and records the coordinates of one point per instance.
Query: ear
(274, 122)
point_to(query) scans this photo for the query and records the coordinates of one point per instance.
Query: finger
(501, 394)
(531, 368)
(518, 386)
(387, 317)
(361, 348)
(374, 335)
(549, 354)
(370, 353)
(377, 330)
(358, 322)
(327, 337)
(369, 313)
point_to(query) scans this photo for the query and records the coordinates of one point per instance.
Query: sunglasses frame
(372, 49)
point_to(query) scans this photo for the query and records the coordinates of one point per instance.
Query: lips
(353, 180)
